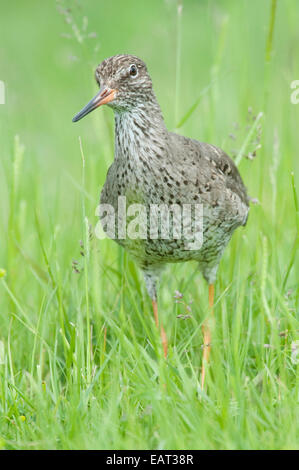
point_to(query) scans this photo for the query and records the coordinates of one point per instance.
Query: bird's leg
(162, 331)
(155, 309)
(151, 277)
(207, 336)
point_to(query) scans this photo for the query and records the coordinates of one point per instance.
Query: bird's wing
(209, 176)
(208, 164)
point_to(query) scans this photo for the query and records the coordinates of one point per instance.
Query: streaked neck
(140, 132)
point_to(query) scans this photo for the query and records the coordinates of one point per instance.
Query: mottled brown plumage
(155, 166)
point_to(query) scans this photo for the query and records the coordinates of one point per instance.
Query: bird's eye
(133, 70)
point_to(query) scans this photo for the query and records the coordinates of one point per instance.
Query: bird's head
(124, 84)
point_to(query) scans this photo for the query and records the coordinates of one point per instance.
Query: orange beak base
(104, 96)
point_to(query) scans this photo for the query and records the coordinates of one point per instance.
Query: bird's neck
(140, 133)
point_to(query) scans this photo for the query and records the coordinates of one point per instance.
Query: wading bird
(153, 166)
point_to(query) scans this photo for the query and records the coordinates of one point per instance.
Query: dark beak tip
(93, 104)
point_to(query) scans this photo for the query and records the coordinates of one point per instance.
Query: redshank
(155, 167)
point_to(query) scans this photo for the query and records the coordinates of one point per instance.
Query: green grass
(81, 364)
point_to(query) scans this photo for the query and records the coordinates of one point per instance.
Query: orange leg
(207, 336)
(163, 334)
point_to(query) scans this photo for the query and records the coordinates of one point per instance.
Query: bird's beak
(105, 95)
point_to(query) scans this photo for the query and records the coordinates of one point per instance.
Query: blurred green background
(79, 359)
